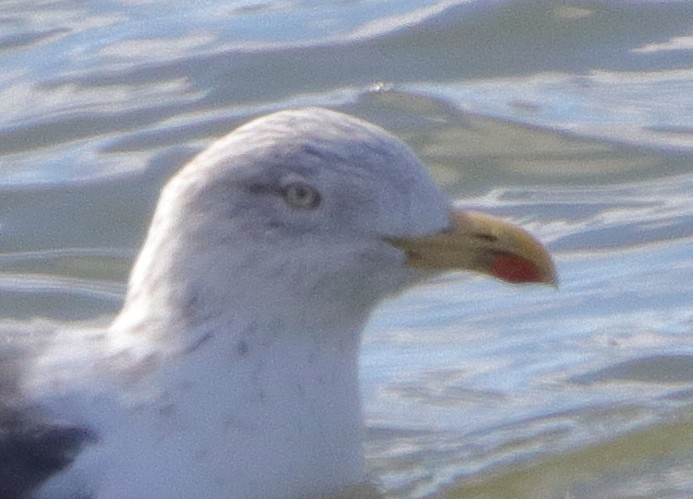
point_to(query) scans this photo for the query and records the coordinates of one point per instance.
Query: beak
(481, 243)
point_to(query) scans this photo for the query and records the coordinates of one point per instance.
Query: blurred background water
(573, 118)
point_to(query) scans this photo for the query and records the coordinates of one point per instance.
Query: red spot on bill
(513, 268)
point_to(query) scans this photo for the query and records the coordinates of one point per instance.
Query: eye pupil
(301, 196)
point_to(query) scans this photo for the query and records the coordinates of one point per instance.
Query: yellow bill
(482, 243)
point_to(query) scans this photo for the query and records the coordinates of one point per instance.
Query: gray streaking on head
(231, 370)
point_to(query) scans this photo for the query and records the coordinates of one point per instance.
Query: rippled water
(572, 118)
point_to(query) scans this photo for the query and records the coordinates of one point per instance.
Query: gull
(231, 370)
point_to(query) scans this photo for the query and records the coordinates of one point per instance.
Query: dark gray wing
(32, 445)
(31, 450)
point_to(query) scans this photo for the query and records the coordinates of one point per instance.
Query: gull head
(309, 207)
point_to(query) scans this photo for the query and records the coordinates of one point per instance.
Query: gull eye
(300, 195)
